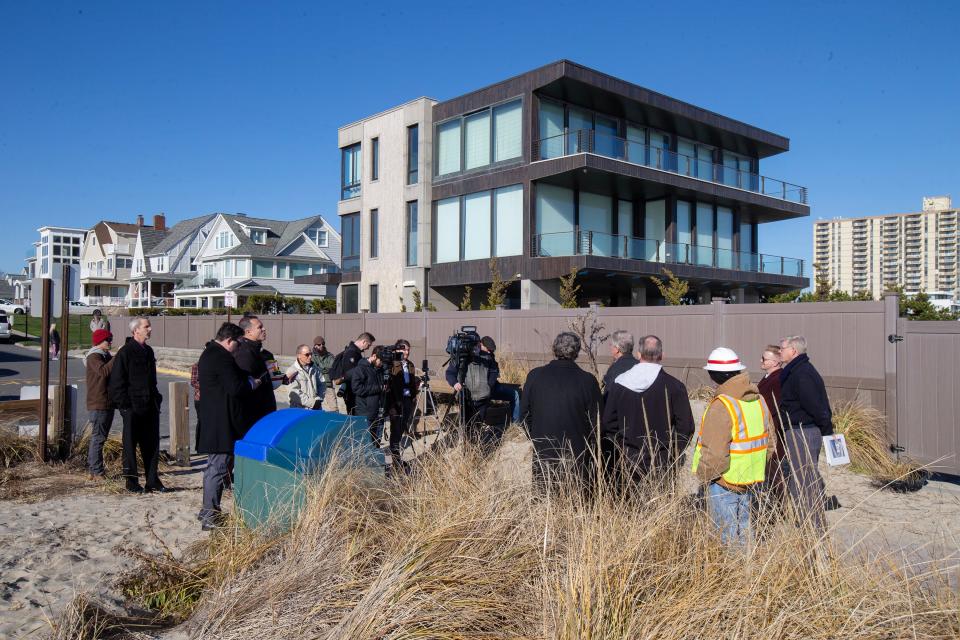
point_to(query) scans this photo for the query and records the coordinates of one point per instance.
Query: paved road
(20, 366)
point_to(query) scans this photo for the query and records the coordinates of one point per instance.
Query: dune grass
(465, 548)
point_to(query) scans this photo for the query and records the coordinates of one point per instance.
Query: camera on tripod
(461, 344)
(389, 355)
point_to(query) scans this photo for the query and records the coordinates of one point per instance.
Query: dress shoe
(134, 488)
(156, 488)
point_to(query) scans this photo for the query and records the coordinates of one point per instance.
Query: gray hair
(566, 346)
(136, 322)
(301, 347)
(623, 341)
(246, 321)
(651, 349)
(797, 342)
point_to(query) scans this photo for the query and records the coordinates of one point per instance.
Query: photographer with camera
(343, 365)
(368, 385)
(404, 387)
(473, 373)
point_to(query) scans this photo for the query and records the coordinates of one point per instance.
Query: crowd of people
(752, 438)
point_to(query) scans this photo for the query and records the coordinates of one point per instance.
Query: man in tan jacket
(735, 442)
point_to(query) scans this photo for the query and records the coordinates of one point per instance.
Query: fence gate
(928, 393)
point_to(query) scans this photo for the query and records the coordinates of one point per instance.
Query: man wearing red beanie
(99, 362)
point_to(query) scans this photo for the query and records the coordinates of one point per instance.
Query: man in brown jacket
(735, 442)
(99, 363)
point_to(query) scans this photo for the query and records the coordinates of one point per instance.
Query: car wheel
(18, 312)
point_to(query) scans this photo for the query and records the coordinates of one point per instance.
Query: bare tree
(592, 334)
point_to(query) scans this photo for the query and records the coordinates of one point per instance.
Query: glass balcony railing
(589, 141)
(569, 243)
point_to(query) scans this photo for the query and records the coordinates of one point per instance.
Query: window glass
(625, 218)
(350, 172)
(551, 130)
(412, 230)
(596, 215)
(351, 241)
(476, 226)
(508, 202)
(554, 217)
(477, 140)
(605, 139)
(448, 230)
(580, 123)
(683, 225)
(448, 148)
(375, 159)
(374, 298)
(413, 153)
(349, 303)
(748, 261)
(374, 233)
(705, 162)
(299, 269)
(704, 250)
(655, 230)
(725, 238)
(686, 157)
(507, 127)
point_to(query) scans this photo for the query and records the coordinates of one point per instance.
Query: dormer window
(259, 236)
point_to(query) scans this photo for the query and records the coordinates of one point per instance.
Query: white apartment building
(57, 245)
(917, 251)
(384, 208)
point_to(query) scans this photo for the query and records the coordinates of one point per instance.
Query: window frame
(374, 158)
(492, 212)
(413, 153)
(491, 140)
(373, 297)
(407, 236)
(348, 240)
(373, 224)
(349, 191)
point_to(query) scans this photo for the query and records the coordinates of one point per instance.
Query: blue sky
(109, 109)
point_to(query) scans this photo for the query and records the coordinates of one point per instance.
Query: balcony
(589, 141)
(199, 282)
(105, 274)
(569, 243)
(105, 301)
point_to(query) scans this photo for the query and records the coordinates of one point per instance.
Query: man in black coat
(806, 417)
(647, 418)
(560, 404)
(223, 387)
(350, 357)
(621, 348)
(133, 389)
(366, 381)
(259, 364)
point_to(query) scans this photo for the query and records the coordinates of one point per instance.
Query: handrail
(596, 243)
(575, 141)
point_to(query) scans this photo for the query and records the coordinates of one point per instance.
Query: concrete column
(703, 295)
(745, 295)
(540, 294)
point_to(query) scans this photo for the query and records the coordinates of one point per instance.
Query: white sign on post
(230, 299)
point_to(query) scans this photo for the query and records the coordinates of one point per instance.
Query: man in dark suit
(647, 417)
(223, 387)
(560, 404)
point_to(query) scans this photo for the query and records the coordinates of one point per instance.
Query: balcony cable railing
(581, 242)
(589, 141)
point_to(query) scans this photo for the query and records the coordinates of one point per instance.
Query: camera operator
(479, 380)
(367, 385)
(344, 364)
(404, 386)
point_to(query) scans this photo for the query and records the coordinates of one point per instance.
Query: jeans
(730, 512)
(216, 477)
(508, 393)
(804, 482)
(101, 421)
(143, 430)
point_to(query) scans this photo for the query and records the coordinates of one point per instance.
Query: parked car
(78, 308)
(11, 307)
(4, 327)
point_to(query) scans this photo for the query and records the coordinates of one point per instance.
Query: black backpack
(336, 369)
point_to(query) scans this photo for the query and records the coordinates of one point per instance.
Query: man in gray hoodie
(647, 419)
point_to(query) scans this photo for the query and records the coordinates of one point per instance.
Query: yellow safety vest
(748, 442)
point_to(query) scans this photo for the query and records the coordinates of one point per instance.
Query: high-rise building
(916, 251)
(559, 169)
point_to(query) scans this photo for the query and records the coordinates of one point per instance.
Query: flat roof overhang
(607, 176)
(477, 271)
(319, 278)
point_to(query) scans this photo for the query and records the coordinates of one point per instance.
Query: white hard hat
(723, 359)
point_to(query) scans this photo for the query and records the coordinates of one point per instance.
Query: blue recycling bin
(281, 451)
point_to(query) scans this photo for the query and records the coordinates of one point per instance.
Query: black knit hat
(488, 342)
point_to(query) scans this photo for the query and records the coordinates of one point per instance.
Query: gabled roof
(178, 232)
(280, 234)
(150, 238)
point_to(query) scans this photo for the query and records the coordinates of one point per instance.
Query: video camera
(389, 355)
(463, 342)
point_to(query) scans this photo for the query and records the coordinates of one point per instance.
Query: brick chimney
(139, 219)
(160, 222)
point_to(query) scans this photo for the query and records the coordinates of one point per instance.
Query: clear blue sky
(109, 109)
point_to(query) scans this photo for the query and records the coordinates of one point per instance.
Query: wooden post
(179, 394)
(64, 425)
(44, 370)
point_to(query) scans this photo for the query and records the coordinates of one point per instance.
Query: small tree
(431, 307)
(569, 290)
(295, 305)
(591, 334)
(466, 304)
(497, 293)
(417, 300)
(674, 290)
(403, 305)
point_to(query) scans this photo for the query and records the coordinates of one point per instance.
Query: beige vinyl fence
(852, 344)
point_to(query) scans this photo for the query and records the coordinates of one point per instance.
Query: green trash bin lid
(301, 439)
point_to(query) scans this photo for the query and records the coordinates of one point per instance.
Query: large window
(596, 216)
(299, 269)
(350, 172)
(413, 153)
(374, 298)
(555, 220)
(374, 233)
(704, 249)
(374, 159)
(412, 230)
(684, 220)
(748, 260)
(480, 225)
(479, 139)
(551, 130)
(725, 238)
(350, 302)
(351, 242)
(224, 240)
(262, 269)
(318, 235)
